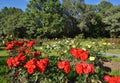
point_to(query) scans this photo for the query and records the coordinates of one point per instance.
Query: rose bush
(73, 65)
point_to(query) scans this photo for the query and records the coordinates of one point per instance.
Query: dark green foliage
(11, 22)
(48, 18)
(52, 19)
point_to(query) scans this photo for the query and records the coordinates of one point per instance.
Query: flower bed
(76, 65)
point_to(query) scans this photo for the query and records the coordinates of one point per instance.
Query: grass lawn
(3, 66)
(3, 52)
(115, 73)
(116, 59)
(3, 70)
(114, 51)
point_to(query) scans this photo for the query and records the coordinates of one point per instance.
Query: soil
(112, 65)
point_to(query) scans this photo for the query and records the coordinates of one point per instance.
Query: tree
(112, 21)
(103, 6)
(47, 16)
(11, 22)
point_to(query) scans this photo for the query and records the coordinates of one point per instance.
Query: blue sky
(22, 3)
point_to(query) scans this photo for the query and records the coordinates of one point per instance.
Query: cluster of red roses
(21, 60)
(81, 68)
(79, 53)
(16, 61)
(12, 44)
(34, 65)
(64, 65)
(84, 68)
(21, 44)
(112, 79)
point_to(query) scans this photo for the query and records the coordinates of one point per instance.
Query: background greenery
(52, 19)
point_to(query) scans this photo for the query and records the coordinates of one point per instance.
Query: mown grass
(116, 59)
(3, 52)
(3, 70)
(3, 66)
(115, 51)
(115, 73)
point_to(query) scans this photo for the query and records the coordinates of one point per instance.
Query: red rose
(107, 78)
(21, 57)
(113, 79)
(42, 64)
(92, 68)
(64, 65)
(9, 47)
(46, 61)
(60, 65)
(84, 68)
(9, 62)
(67, 69)
(30, 43)
(19, 43)
(31, 66)
(31, 70)
(74, 52)
(88, 68)
(79, 53)
(84, 56)
(15, 62)
(79, 68)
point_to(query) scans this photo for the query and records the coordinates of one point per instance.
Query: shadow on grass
(3, 69)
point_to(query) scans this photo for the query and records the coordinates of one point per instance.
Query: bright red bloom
(84, 56)
(84, 68)
(113, 79)
(30, 43)
(10, 46)
(64, 65)
(42, 64)
(46, 61)
(107, 78)
(61, 65)
(19, 43)
(9, 62)
(15, 62)
(21, 57)
(74, 52)
(80, 53)
(31, 66)
(67, 69)
(79, 68)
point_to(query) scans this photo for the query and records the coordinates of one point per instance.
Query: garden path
(112, 55)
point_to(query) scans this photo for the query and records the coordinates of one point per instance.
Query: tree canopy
(55, 19)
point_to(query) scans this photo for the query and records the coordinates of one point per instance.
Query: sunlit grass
(115, 51)
(116, 59)
(3, 52)
(115, 73)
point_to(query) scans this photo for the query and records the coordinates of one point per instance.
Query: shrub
(73, 65)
